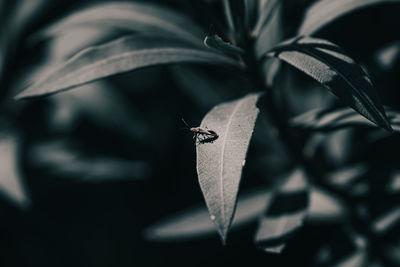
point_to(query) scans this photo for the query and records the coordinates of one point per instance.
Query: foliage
(92, 100)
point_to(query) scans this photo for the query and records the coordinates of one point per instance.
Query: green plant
(248, 43)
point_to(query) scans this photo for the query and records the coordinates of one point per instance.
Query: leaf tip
(223, 234)
(388, 127)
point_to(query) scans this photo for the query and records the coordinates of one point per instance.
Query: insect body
(201, 134)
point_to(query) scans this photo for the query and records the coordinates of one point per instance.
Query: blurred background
(84, 174)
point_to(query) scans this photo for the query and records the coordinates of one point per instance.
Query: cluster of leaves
(313, 170)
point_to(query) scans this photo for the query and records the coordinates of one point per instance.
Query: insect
(202, 135)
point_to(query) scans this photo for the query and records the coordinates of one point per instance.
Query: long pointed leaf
(329, 65)
(139, 17)
(125, 54)
(195, 222)
(220, 163)
(324, 12)
(330, 120)
(11, 183)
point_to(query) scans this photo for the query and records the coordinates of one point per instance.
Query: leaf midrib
(354, 89)
(310, 53)
(222, 160)
(142, 17)
(194, 53)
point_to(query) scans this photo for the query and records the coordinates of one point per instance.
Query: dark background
(74, 221)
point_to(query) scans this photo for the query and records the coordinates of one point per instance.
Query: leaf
(329, 65)
(101, 103)
(324, 12)
(386, 222)
(270, 32)
(387, 57)
(345, 176)
(195, 222)
(138, 17)
(324, 207)
(345, 248)
(125, 54)
(14, 23)
(220, 163)
(206, 87)
(285, 214)
(334, 119)
(235, 13)
(11, 183)
(60, 158)
(215, 42)
(266, 10)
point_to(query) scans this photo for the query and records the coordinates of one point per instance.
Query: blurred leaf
(195, 222)
(235, 12)
(324, 12)
(202, 88)
(394, 185)
(101, 103)
(125, 54)
(61, 159)
(146, 18)
(60, 49)
(339, 147)
(205, 89)
(73, 40)
(11, 182)
(329, 65)
(388, 56)
(220, 163)
(346, 249)
(324, 207)
(388, 221)
(267, 34)
(266, 10)
(2, 38)
(251, 13)
(345, 176)
(270, 33)
(14, 23)
(215, 42)
(333, 119)
(285, 215)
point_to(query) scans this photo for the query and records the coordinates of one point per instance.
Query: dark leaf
(324, 207)
(286, 213)
(268, 32)
(266, 11)
(388, 56)
(206, 89)
(101, 103)
(386, 222)
(334, 119)
(345, 176)
(235, 13)
(215, 42)
(61, 159)
(11, 182)
(125, 54)
(347, 249)
(195, 222)
(220, 163)
(138, 17)
(324, 12)
(329, 65)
